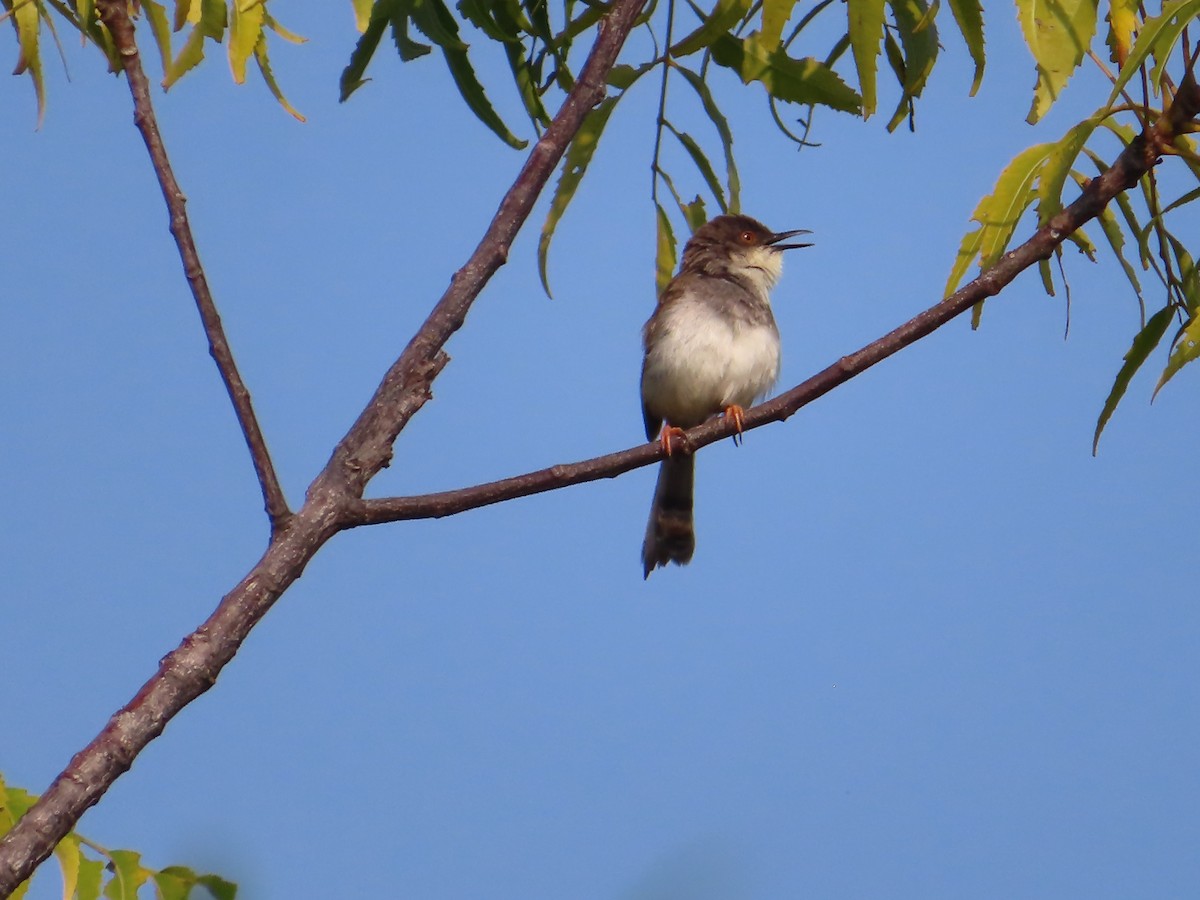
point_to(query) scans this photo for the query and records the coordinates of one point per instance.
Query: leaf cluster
(90, 871)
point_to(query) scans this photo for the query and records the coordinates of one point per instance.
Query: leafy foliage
(90, 871)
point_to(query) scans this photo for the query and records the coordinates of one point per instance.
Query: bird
(711, 347)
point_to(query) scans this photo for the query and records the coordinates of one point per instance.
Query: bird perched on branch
(711, 347)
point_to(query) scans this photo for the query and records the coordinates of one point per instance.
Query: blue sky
(929, 646)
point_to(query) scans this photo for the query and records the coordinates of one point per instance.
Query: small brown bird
(711, 347)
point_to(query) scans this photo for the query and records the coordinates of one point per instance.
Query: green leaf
(91, 873)
(67, 854)
(218, 887)
(156, 15)
(25, 18)
(436, 23)
(1143, 345)
(805, 81)
(695, 213)
(1116, 240)
(866, 31)
(406, 46)
(664, 256)
(128, 875)
(702, 164)
(174, 884)
(919, 37)
(1185, 350)
(732, 179)
(352, 76)
(1059, 164)
(1047, 275)
(775, 15)
(246, 27)
(578, 157)
(264, 67)
(969, 16)
(1059, 33)
(998, 214)
(725, 14)
(362, 14)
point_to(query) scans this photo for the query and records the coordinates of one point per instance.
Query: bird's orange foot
(671, 433)
(738, 416)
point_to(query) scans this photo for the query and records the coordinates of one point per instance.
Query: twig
(191, 669)
(115, 16)
(1134, 162)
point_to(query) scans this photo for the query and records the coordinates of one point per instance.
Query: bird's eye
(747, 237)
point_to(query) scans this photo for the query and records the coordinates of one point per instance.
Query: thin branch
(115, 16)
(1133, 163)
(191, 669)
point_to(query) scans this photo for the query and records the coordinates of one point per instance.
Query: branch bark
(191, 669)
(115, 16)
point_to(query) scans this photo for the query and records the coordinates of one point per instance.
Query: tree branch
(1134, 162)
(191, 669)
(115, 16)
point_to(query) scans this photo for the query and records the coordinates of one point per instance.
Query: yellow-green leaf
(1156, 36)
(969, 16)
(264, 67)
(246, 27)
(1059, 164)
(725, 14)
(67, 854)
(865, 18)
(1143, 344)
(578, 157)
(775, 14)
(919, 38)
(1122, 23)
(702, 164)
(1059, 33)
(156, 15)
(1186, 350)
(795, 80)
(128, 875)
(732, 179)
(362, 14)
(664, 256)
(25, 18)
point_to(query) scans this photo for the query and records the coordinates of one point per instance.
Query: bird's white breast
(704, 362)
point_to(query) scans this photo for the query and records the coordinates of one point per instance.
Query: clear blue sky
(929, 646)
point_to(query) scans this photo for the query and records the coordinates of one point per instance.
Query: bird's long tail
(670, 534)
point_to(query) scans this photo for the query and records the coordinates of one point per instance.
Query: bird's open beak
(783, 236)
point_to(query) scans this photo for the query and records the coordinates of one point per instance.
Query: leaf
(1059, 164)
(578, 157)
(437, 23)
(1122, 21)
(969, 16)
(1186, 350)
(775, 15)
(67, 854)
(865, 19)
(91, 873)
(156, 15)
(218, 887)
(695, 213)
(725, 14)
(128, 875)
(406, 46)
(264, 67)
(246, 27)
(805, 81)
(998, 214)
(1156, 36)
(919, 38)
(25, 18)
(701, 161)
(362, 14)
(1058, 33)
(352, 76)
(732, 179)
(1143, 345)
(1116, 240)
(664, 256)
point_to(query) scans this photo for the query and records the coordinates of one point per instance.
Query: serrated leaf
(173, 886)
(968, 250)
(405, 45)
(732, 179)
(1156, 36)
(183, 14)
(725, 14)
(1116, 240)
(190, 55)
(578, 157)
(865, 20)
(264, 67)
(695, 213)
(1185, 350)
(1143, 345)
(25, 18)
(352, 76)
(664, 255)
(213, 18)
(290, 36)
(1000, 211)
(156, 16)
(919, 38)
(437, 23)
(804, 81)
(969, 16)
(128, 875)
(1058, 166)
(477, 101)
(91, 874)
(1058, 33)
(702, 164)
(246, 27)
(775, 14)
(1122, 23)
